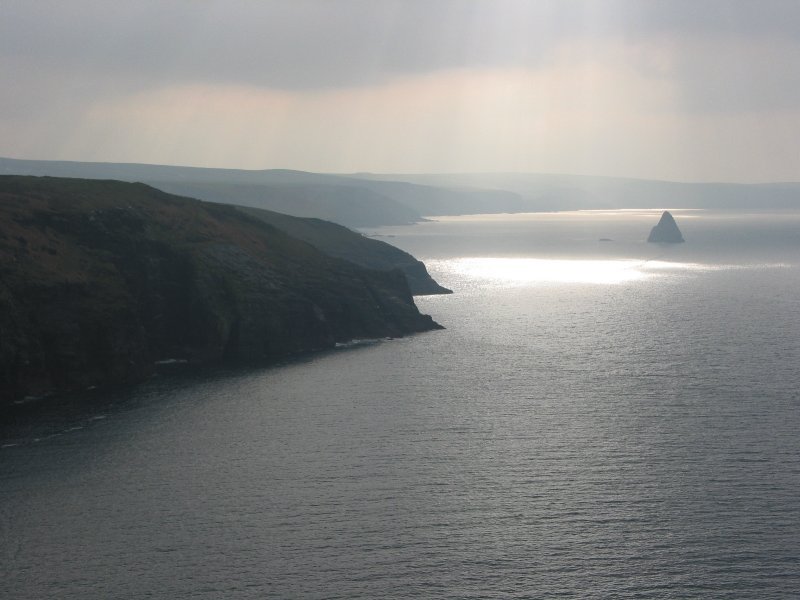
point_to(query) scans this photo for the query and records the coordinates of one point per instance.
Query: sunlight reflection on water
(520, 271)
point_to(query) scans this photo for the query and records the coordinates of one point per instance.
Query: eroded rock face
(99, 280)
(666, 231)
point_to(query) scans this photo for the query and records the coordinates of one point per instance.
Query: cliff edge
(99, 280)
(341, 242)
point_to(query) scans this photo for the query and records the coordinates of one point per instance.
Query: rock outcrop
(99, 280)
(666, 231)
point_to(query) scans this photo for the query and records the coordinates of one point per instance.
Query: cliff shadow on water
(100, 280)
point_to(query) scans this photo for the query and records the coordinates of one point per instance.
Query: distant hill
(349, 201)
(372, 199)
(546, 192)
(101, 279)
(353, 206)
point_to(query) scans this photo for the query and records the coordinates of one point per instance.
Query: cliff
(666, 231)
(341, 242)
(101, 279)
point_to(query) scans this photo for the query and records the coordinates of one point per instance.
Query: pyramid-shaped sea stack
(666, 232)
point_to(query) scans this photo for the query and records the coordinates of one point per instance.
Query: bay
(599, 419)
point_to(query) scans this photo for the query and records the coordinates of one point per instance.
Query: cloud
(306, 44)
(592, 117)
(656, 89)
(725, 75)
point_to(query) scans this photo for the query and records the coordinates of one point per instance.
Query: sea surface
(600, 419)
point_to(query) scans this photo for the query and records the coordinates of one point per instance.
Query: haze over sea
(599, 419)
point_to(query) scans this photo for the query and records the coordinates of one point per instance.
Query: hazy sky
(684, 90)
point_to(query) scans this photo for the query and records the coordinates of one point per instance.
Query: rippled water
(598, 420)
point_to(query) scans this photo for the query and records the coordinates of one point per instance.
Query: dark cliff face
(100, 279)
(666, 231)
(341, 242)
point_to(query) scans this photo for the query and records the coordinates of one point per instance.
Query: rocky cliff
(101, 279)
(341, 242)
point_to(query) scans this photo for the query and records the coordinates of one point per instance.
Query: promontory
(100, 280)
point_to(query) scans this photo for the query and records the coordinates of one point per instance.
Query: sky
(685, 90)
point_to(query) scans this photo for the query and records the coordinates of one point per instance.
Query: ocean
(601, 418)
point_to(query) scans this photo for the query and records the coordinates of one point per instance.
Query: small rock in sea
(666, 232)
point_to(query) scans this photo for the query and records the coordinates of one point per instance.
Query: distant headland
(378, 199)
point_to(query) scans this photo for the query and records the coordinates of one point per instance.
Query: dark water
(599, 420)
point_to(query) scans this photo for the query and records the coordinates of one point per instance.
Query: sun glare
(522, 271)
(512, 271)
